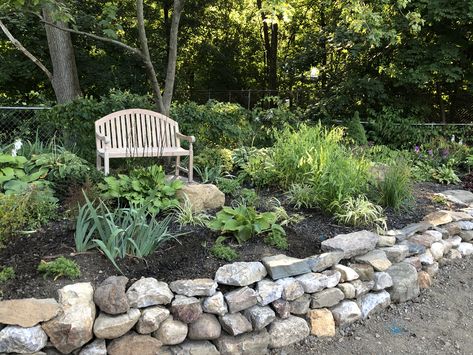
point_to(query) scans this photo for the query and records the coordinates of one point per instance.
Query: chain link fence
(22, 122)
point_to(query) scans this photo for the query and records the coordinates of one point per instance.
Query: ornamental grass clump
(395, 189)
(316, 168)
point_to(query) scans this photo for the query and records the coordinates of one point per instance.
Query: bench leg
(191, 166)
(106, 164)
(99, 163)
(178, 162)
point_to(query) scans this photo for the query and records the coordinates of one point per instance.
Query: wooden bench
(140, 133)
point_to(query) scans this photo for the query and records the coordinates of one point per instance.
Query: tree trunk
(270, 49)
(65, 80)
(172, 58)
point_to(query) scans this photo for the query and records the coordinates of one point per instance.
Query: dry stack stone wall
(249, 307)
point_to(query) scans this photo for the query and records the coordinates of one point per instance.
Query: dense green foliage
(60, 267)
(6, 274)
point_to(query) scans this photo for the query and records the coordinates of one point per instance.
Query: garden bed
(191, 258)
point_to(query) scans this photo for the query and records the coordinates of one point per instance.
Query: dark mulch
(190, 258)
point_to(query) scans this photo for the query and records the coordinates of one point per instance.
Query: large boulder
(72, 328)
(202, 196)
(15, 339)
(110, 295)
(28, 312)
(405, 285)
(352, 244)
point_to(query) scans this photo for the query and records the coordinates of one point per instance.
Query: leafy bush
(259, 169)
(209, 174)
(61, 267)
(15, 173)
(241, 155)
(144, 186)
(360, 212)
(247, 197)
(445, 174)
(222, 251)
(26, 210)
(216, 123)
(385, 155)
(245, 222)
(229, 186)
(213, 157)
(6, 274)
(122, 232)
(324, 171)
(395, 189)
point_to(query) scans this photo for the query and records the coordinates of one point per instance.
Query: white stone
(240, 273)
(259, 316)
(465, 249)
(347, 273)
(292, 288)
(15, 339)
(171, 332)
(348, 290)
(382, 280)
(437, 249)
(148, 292)
(427, 258)
(241, 299)
(324, 261)
(215, 304)
(352, 244)
(345, 313)
(235, 324)
(373, 302)
(97, 347)
(110, 327)
(268, 291)
(151, 318)
(196, 287)
(312, 282)
(287, 331)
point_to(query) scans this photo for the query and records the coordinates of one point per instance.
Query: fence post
(249, 99)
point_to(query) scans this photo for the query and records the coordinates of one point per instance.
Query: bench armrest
(190, 139)
(101, 137)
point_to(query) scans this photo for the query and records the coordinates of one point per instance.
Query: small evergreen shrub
(61, 267)
(222, 251)
(356, 131)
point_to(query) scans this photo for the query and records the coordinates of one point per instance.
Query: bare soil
(188, 258)
(439, 322)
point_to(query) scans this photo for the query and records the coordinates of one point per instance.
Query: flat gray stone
(235, 324)
(240, 273)
(345, 313)
(373, 302)
(411, 229)
(466, 236)
(312, 282)
(193, 347)
(427, 238)
(15, 339)
(332, 278)
(405, 285)
(365, 271)
(352, 244)
(327, 298)
(215, 304)
(461, 197)
(348, 290)
(438, 218)
(268, 291)
(282, 266)
(414, 248)
(362, 287)
(250, 343)
(241, 299)
(324, 261)
(347, 273)
(376, 258)
(206, 327)
(259, 316)
(196, 287)
(148, 292)
(396, 253)
(386, 241)
(287, 331)
(292, 288)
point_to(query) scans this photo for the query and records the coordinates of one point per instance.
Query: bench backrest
(137, 128)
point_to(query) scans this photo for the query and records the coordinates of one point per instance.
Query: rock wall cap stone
(281, 266)
(240, 273)
(352, 244)
(28, 312)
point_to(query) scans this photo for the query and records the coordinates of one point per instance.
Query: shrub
(356, 131)
(247, 197)
(222, 251)
(259, 169)
(212, 157)
(186, 216)
(124, 231)
(360, 212)
(209, 174)
(244, 223)
(395, 190)
(445, 174)
(324, 171)
(6, 274)
(61, 267)
(229, 186)
(144, 186)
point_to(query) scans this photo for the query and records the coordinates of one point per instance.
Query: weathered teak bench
(140, 133)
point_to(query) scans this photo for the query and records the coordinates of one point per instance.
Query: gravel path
(439, 321)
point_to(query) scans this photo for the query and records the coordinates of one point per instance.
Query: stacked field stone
(267, 304)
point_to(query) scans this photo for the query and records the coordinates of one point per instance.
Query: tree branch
(27, 53)
(134, 50)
